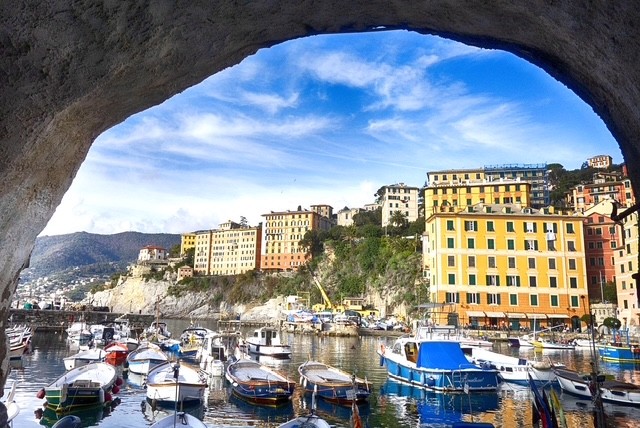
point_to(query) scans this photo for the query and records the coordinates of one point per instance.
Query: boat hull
(74, 397)
(143, 367)
(332, 384)
(281, 351)
(258, 384)
(619, 354)
(610, 391)
(169, 394)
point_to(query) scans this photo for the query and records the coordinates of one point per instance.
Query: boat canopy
(445, 355)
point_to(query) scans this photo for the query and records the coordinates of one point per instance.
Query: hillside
(53, 254)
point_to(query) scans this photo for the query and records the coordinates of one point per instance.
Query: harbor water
(392, 404)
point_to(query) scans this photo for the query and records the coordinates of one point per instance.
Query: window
(572, 264)
(473, 298)
(553, 282)
(530, 227)
(574, 302)
(472, 261)
(452, 297)
(555, 302)
(571, 245)
(531, 244)
(573, 282)
(511, 244)
(472, 279)
(450, 243)
(491, 244)
(510, 227)
(513, 281)
(532, 262)
(492, 262)
(533, 300)
(490, 227)
(451, 261)
(493, 299)
(513, 299)
(552, 264)
(511, 262)
(533, 281)
(450, 225)
(471, 243)
(493, 280)
(452, 279)
(570, 228)
(471, 226)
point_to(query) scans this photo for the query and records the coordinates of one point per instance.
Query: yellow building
(449, 190)
(187, 241)
(502, 265)
(281, 249)
(229, 250)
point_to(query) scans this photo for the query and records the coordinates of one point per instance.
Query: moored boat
(259, 384)
(143, 359)
(83, 358)
(116, 353)
(613, 391)
(216, 349)
(168, 384)
(435, 364)
(513, 369)
(179, 419)
(9, 401)
(88, 385)
(333, 384)
(267, 341)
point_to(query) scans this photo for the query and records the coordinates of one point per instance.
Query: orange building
(282, 233)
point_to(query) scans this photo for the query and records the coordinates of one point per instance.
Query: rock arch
(71, 71)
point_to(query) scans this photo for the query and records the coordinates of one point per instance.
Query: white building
(399, 197)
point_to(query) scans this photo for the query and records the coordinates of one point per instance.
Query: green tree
(312, 243)
(398, 219)
(174, 251)
(612, 323)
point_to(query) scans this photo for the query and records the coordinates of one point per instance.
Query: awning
(475, 314)
(557, 316)
(536, 316)
(515, 315)
(495, 314)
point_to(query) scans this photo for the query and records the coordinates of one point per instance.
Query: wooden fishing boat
(116, 353)
(88, 385)
(83, 358)
(612, 391)
(168, 384)
(309, 421)
(259, 384)
(179, 419)
(144, 359)
(333, 384)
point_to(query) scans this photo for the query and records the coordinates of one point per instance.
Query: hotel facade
(505, 266)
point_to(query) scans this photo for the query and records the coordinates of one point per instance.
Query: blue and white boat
(620, 349)
(333, 384)
(436, 364)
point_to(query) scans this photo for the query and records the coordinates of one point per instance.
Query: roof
(442, 355)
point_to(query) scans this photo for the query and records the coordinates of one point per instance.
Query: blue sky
(324, 119)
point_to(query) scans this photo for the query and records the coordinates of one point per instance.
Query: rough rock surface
(72, 70)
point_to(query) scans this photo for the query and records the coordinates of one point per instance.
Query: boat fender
(107, 397)
(119, 381)
(41, 394)
(101, 396)
(381, 361)
(115, 389)
(304, 382)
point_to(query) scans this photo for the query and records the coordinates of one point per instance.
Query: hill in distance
(53, 254)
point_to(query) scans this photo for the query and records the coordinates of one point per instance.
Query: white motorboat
(168, 384)
(613, 391)
(216, 349)
(83, 358)
(452, 335)
(512, 369)
(267, 341)
(144, 359)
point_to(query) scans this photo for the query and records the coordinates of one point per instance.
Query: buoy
(119, 381)
(107, 397)
(115, 389)
(41, 393)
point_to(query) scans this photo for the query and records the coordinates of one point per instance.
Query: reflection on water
(392, 404)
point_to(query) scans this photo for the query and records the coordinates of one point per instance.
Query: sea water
(392, 404)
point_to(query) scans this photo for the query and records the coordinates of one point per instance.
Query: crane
(327, 303)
